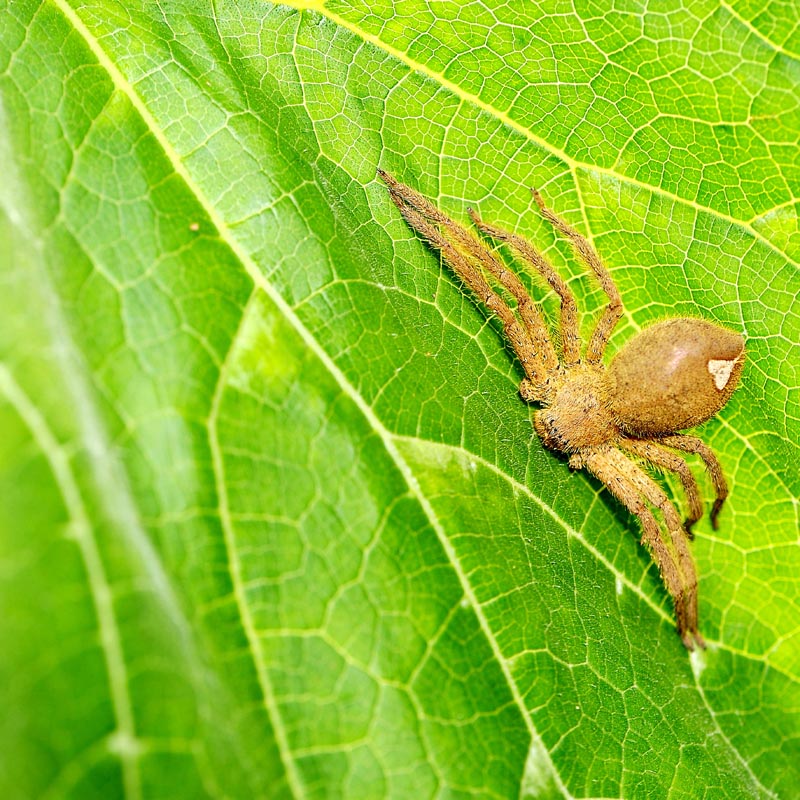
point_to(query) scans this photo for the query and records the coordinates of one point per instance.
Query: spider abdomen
(674, 375)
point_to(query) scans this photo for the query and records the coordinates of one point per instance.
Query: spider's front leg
(613, 311)
(532, 392)
(471, 261)
(570, 335)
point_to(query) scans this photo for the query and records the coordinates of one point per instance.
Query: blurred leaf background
(273, 520)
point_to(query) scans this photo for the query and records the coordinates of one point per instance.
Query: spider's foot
(687, 526)
(715, 513)
(538, 198)
(692, 639)
(392, 184)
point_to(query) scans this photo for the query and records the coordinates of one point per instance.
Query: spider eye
(674, 375)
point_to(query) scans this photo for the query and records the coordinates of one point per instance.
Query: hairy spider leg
(570, 336)
(663, 458)
(527, 309)
(631, 486)
(654, 494)
(691, 444)
(517, 335)
(613, 311)
(531, 316)
(461, 250)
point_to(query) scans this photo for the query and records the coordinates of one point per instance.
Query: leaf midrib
(226, 235)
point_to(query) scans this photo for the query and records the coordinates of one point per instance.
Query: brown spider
(669, 377)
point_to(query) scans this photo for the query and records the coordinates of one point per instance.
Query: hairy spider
(669, 377)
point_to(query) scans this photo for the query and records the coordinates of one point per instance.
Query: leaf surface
(273, 519)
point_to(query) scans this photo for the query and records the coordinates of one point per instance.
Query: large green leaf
(273, 520)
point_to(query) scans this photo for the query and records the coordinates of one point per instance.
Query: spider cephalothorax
(669, 377)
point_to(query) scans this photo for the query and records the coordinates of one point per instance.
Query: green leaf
(273, 519)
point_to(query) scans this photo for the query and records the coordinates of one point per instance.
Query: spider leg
(570, 337)
(663, 458)
(691, 444)
(613, 311)
(680, 542)
(465, 255)
(631, 486)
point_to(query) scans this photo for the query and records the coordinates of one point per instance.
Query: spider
(669, 377)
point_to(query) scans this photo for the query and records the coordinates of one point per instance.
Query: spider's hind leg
(663, 458)
(632, 487)
(691, 444)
